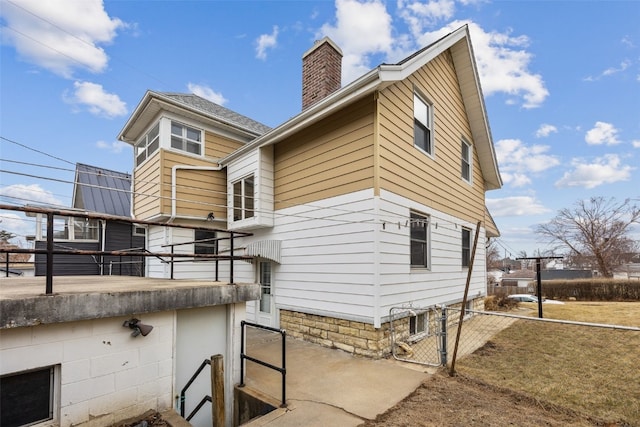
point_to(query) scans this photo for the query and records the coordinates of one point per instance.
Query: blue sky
(561, 81)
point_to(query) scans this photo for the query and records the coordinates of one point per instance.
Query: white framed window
(148, 144)
(139, 230)
(186, 138)
(243, 198)
(420, 244)
(28, 397)
(68, 228)
(466, 161)
(422, 124)
(205, 242)
(466, 247)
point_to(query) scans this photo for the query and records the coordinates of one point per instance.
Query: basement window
(419, 325)
(27, 397)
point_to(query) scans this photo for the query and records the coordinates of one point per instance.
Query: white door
(266, 306)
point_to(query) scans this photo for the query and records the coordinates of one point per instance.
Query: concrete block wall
(102, 373)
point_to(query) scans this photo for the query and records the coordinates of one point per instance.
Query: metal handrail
(183, 392)
(243, 357)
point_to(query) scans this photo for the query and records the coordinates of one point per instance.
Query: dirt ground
(460, 401)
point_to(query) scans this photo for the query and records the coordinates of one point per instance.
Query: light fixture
(210, 217)
(138, 328)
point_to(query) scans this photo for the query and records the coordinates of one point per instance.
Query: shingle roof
(218, 111)
(102, 190)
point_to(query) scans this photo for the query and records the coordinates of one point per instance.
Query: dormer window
(169, 134)
(186, 138)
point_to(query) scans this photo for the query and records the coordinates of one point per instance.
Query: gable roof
(102, 190)
(191, 105)
(386, 74)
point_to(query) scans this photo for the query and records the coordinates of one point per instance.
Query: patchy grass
(589, 370)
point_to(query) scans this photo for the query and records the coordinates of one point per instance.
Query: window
(208, 246)
(139, 230)
(265, 287)
(70, 228)
(466, 247)
(418, 323)
(243, 202)
(186, 138)
(27, 397)
(422, 125)
(148, 144)
(419, 240)
(466, 161)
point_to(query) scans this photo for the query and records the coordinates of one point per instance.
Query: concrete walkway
(326, 386)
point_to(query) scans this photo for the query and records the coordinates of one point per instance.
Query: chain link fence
(588, 367)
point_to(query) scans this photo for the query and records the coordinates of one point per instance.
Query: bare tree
(493, 255)
(595, 229)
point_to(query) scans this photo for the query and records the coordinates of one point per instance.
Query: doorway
(266, 306)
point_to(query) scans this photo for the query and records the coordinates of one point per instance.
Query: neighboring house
(519, 278)
(19, 265)
(565, 274)
(103, 191)
(366, 200)
(627, 271)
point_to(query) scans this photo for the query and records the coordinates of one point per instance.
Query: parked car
(533, 298)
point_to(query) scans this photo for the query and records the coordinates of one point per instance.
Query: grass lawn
(590, 370)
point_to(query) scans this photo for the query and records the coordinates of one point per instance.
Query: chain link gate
(418, 334)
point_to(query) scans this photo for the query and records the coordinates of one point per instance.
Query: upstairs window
(465, 159)
(466, 247)
(420, 244)
(243, 198)
(422, 125)
(186, 138)
(148, 144)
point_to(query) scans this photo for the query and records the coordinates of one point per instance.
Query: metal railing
(183, 392)
(51, 250)
(282, 369)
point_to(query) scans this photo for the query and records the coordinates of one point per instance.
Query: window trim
(419, 122)
(465, 256)
(242, 198)
(418, 219)
(184, 138)
(467, 163)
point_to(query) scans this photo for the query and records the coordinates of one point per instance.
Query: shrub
(597, 289)
(499, 302)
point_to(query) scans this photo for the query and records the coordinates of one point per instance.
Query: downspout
(174, 172)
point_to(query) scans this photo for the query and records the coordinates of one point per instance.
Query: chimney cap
(319, 43)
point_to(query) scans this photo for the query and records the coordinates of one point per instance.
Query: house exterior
(102, 191)
(368, 199)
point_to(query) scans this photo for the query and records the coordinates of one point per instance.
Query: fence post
(217, 391)
(443, 328)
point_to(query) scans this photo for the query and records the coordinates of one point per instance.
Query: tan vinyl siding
(198, 192)
(405, 170)
(218, 146)
(146, 189)
(331, 158)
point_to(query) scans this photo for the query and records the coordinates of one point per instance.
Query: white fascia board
(133, 118)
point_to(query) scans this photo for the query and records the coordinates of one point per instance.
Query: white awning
(268, 249)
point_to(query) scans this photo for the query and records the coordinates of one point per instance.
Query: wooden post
(217, 391)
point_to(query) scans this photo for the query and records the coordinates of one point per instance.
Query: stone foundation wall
(354, 337)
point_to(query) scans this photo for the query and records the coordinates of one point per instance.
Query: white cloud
(115, 147)
(207, 93)
(602, 133)
(610, 71)
(503, 63)
(60, 35)
(545, 130)
(33, 193)
(516, 160)
(362, 29)
(419, 14)
(636, 143)
(515, 206)
(266, 41)
(20, 226)
(603, 170)
(99, 102)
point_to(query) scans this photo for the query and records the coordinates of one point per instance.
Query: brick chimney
(321, 71)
